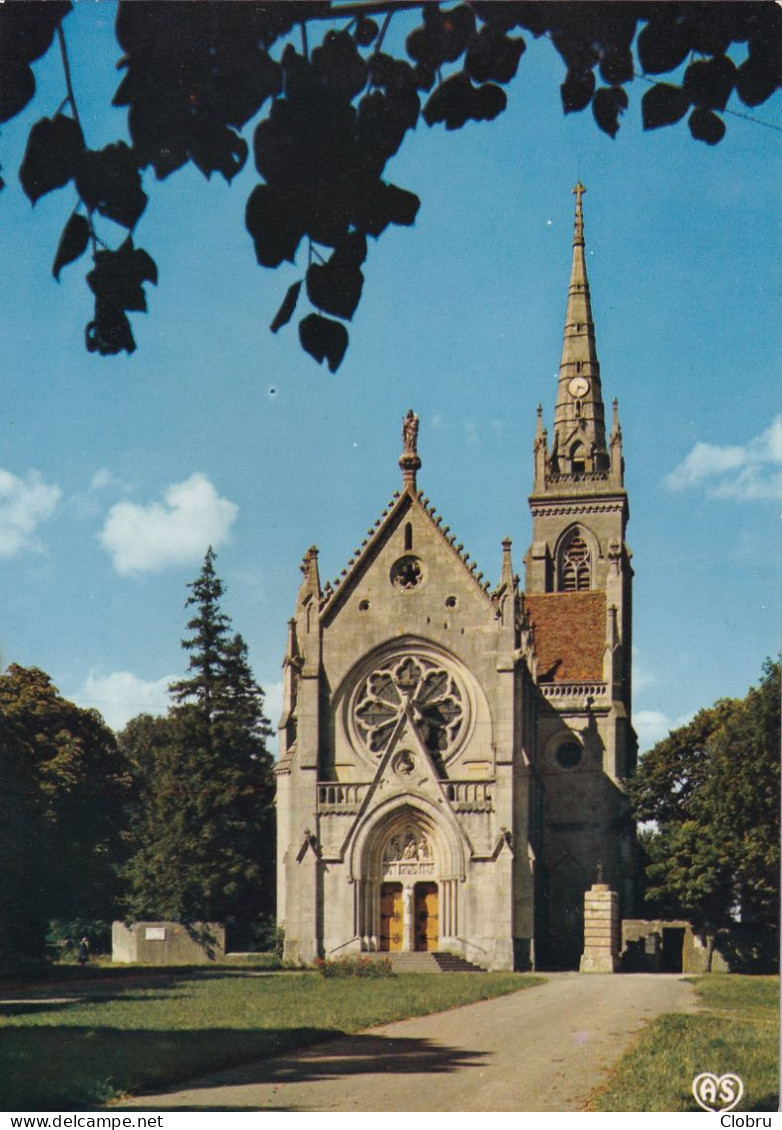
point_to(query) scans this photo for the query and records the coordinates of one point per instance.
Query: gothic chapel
(453, 755)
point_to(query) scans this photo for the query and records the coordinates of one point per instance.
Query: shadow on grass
(50, 1068)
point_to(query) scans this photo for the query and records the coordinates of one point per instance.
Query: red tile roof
(570, 634)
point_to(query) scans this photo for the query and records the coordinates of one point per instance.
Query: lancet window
(576, 565)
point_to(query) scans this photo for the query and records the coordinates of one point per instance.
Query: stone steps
(431, 962)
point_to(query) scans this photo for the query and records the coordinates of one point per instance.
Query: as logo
(717, 1093)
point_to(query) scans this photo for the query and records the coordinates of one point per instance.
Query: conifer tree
(204, 830)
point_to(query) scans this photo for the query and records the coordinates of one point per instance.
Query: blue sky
(115, 474)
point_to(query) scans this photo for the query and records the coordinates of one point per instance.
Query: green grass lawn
(131, 1037)
(736, 1030)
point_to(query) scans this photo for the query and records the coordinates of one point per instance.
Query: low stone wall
(651, 945)
(168, 943)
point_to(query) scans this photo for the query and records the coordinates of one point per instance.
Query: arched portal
(407, 870)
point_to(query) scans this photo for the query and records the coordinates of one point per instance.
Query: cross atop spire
(578, 231)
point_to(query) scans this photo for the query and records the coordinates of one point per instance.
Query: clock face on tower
(578, 387)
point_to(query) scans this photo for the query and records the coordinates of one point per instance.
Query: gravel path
(543, 1049)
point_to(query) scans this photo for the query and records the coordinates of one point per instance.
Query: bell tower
(579, 503)
(579, 561)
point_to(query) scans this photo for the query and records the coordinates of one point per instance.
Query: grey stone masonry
(601, 930)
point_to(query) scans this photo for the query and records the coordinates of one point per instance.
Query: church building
(452, 754)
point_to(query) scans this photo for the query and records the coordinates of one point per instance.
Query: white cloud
(742, 471)
(24, 503)
(176, 531)
(121, 695)
(653, 725)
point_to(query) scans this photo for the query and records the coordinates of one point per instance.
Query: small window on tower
(578, 457)
(408, 537)
(576, 565)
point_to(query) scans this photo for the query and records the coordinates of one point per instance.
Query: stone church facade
(453, 755)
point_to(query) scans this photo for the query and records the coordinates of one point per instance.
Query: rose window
(414, 688)
(406, 573)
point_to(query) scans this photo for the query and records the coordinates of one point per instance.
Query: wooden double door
(426, 920)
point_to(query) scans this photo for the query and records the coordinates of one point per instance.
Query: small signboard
(155, 933)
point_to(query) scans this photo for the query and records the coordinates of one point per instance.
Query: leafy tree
(711, 790)
(329, 115)
(203, 831)
(64, 785)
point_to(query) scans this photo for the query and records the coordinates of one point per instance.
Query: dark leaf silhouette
(50, 160)
(366, 31)
(492, 56)
(17, 86)
(73, 243)
(577, 90)
(616, 64)
(285, 312)
(709, 83)
(26, 32)
(706, 126)
(323, 339)
(443, 36)
(335, 288)
(757, 78)
(110, 331)
(275, 223)
(117, 283)
(663, 104)
(108, 180)
(457, 101)
(608, 103)
(661, 44)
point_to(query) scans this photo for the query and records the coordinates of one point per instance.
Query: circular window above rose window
(418, 689)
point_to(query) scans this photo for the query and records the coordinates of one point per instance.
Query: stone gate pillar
(601, 930)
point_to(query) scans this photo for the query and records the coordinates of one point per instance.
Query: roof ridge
(465, 558)
(330, 588)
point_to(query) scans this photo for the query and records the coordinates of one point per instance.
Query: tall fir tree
(204, 824)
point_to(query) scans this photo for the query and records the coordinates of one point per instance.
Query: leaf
(117, 276)
(323, 339)
(402, 205)
(710, 82)
(608, 103)
(285, 312)
(616, 65)
(17, 86)
(757, 79)
(661, 45)
(109, 181)
(217, 149)
(706, 126)
(577, 90)
(334, 288)
(365, 31)
(51, 157)
(663, 105)
(491, 56)
(275, 224)
(73, 243)
(109, 333)
(457, 101)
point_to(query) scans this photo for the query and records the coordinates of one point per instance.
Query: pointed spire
(409, 460)
(579, 441)
(507, 580)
